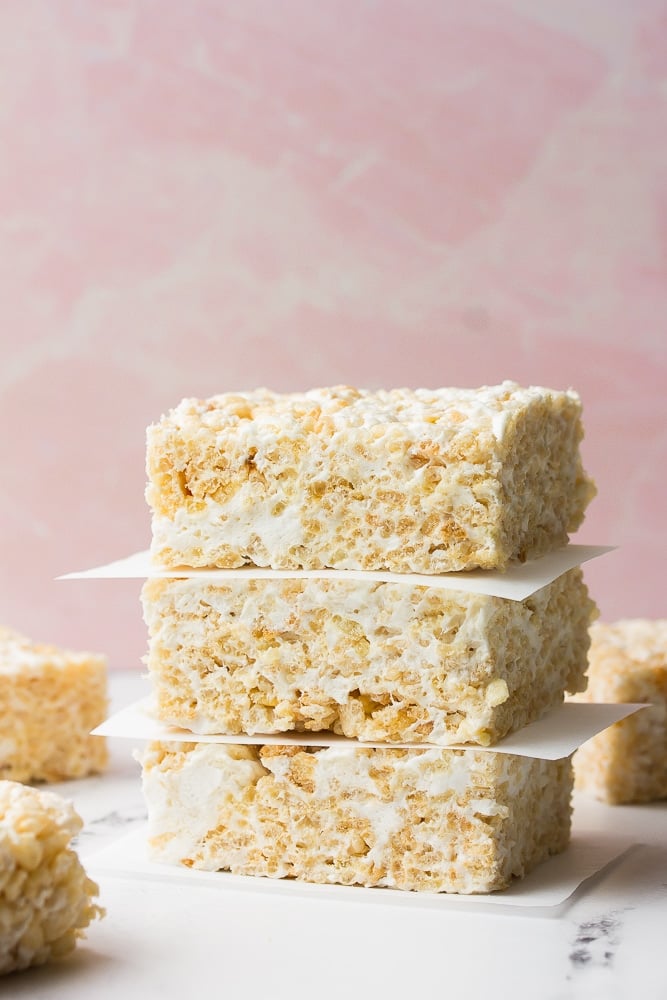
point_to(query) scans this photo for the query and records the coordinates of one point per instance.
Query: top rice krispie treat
(405, 480)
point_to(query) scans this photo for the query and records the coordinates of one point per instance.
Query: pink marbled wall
(211, 195)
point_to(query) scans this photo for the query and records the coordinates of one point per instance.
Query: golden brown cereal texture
(50, 700)
(46, 898)
(428, 820)
(628, 762)
(375, 661)
(405, 480)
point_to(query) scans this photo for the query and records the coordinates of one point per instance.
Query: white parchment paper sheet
(555, 736)
(516, 584)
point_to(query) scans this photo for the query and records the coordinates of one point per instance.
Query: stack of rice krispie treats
(376, 487)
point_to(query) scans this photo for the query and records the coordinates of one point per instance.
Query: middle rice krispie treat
(371, 660)
(463, 821)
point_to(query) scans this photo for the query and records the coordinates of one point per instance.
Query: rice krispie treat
(464, 821)
(628, 762)
(371, 660)
(50, 700)
(46, 898)
(405, 480)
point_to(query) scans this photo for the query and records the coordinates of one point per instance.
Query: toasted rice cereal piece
(50, 700)
(465, 821)
(375, 661)
(627, 762)
(46, 898)
(421, 480)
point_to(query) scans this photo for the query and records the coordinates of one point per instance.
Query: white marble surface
(162, 939)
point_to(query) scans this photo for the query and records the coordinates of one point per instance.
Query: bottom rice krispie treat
(50, 700)
(464, 821)
(627, 762)
(46, 898)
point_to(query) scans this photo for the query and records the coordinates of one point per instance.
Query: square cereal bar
(46, 898)
(464, 821)
(50, 699)
(628, 762)
(371, 660)
(404, 480)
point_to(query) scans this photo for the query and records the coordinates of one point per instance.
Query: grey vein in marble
(596, 942)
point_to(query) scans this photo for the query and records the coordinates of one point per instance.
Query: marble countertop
(163, 939)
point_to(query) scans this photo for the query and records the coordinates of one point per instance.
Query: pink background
(201, 196)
